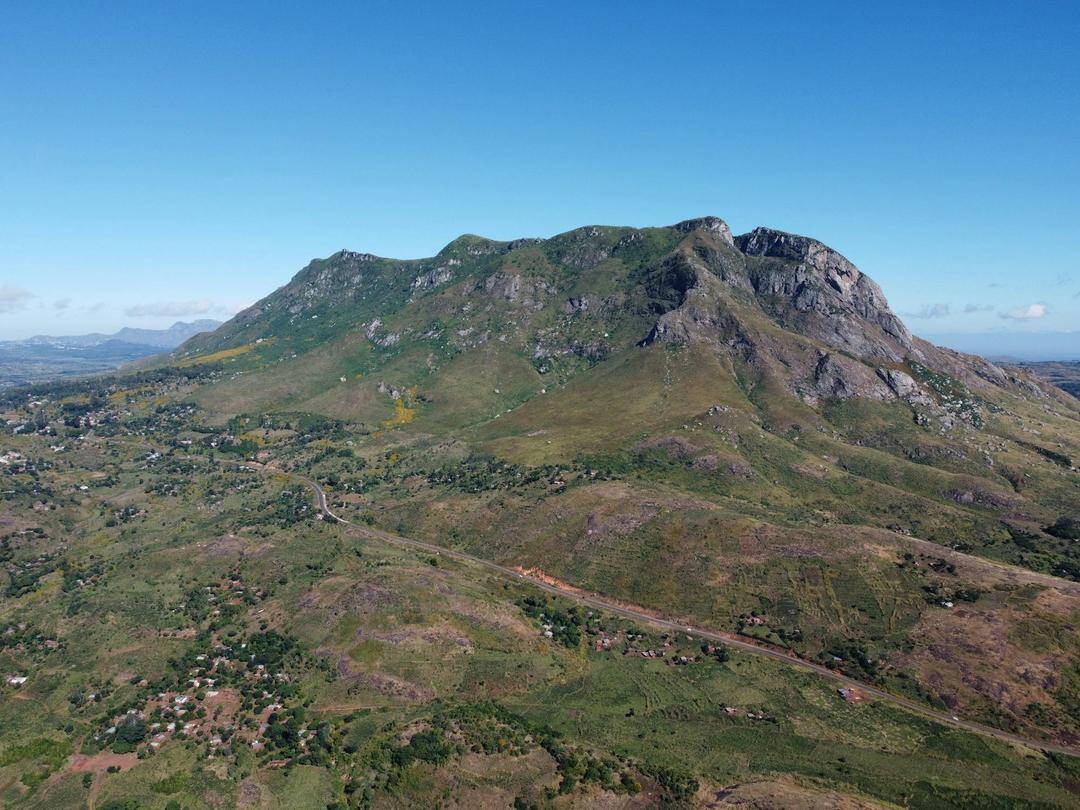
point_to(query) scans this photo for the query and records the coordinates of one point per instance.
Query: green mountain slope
(605, 334)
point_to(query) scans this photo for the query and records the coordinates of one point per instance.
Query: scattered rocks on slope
(905, 387)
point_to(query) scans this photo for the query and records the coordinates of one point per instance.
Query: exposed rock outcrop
(528, 291)
(813, 288)
(905, 387)
(713, 225)
(436, 276)
(839, 377)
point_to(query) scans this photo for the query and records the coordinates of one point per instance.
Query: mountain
(158, 338)
(786, 309)
(710, 387)
(44, 357)
(862, 545)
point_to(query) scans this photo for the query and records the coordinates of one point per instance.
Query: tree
(132, 729)
(1066, 528)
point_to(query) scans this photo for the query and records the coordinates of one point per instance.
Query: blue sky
(162, 161)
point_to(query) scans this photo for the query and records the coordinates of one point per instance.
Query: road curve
(601, 603)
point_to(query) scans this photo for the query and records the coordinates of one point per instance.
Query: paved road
(640, 615)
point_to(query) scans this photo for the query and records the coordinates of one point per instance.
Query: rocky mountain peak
(353, 256)
(470, 245)
(710, 224)
(786, 305)
(820, 282)
(840, 273)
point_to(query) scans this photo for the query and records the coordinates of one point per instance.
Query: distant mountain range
(46, 357)
(159, 338)
(1065, 375)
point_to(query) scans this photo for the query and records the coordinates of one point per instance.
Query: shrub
(426, 746)
(1065, 528)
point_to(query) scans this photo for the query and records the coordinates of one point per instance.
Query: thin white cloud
(930, 311)
(170, 309)
(970, 308)
(1030, 312)
(13, 298)
(61, 303)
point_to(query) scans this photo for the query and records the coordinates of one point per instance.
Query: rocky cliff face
(824, 294)
(799, 282)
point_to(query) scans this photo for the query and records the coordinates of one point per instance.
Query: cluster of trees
(1059, 556)
(718, 651)
(270, 649)
(679, 786)
(25, 577)
(76, 575)
(488, 727)
(565, 625)
(130, 731)
(1060, 459)
(934, 593)
(309, 427)
(23, 633)
(283, 731)
(424, 746)
(480, 472)
(290, 507)
(579, 766)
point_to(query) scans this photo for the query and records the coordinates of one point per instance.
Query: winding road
(640, 615)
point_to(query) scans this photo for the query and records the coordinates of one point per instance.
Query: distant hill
(44, 357)
(1065, 376)
(159, 338)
